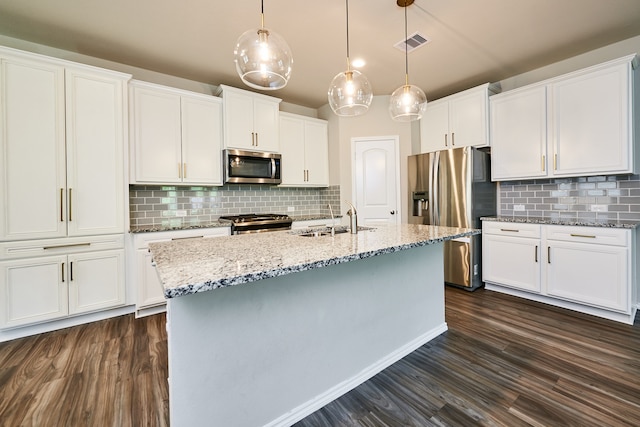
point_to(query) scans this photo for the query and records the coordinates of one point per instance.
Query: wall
(573, 198)
(376, 122)
(160, 205)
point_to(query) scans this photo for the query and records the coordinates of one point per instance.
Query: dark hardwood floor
(504, 362)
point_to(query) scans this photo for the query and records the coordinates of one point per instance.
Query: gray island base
(271, 351)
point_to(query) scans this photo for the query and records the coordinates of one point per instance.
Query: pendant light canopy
(263, 58)
(408, 102)
(350, 93)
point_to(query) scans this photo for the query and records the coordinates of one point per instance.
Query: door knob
(393, 212)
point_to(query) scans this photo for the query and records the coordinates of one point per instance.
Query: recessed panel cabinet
(589, 269)
(62, 149)
(67, 278)
(459, 120)
(304, 147)
(578, 124)
(177, 136)
(251, 120)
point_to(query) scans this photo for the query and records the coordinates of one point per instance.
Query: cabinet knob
(393, 212)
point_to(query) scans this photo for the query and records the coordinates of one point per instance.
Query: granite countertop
(153, 228)
(190, 266)
(562, 221)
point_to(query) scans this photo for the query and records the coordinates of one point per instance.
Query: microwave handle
(273, 168)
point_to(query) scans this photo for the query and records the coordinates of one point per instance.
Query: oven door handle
(273, 168)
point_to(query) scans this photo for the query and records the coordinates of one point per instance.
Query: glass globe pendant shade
(407, 103)
(263, 59)
(350, 93)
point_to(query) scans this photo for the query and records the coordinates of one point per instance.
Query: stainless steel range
(258, 223)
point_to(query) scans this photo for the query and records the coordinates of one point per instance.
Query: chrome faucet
(353, 218)
(333, 221)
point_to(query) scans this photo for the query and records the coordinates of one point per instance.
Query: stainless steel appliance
(251, 167)
(258, 223)
(453, 188)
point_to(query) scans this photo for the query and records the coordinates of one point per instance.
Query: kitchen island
(264, 329)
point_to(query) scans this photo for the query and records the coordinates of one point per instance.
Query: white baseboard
(335, 392)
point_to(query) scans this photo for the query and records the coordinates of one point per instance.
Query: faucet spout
(353, 218)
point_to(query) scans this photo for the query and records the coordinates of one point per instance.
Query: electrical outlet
(599, 208)
(181, 213)
(291, 209)
(518, 207)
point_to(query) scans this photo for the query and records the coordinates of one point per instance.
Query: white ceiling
(472, 41)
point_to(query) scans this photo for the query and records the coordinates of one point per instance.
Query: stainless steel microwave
(251, 167)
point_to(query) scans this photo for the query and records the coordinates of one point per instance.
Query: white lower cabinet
(150, 296)
(77, 278)
(588, 269)
(515, 255)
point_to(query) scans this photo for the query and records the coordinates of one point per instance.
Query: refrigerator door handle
(435, 182)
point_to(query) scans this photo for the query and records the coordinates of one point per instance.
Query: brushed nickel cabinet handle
(555, 162)
(453, 139)
(63, 272)
(66, 246)
(445, 140)
(184, 170)
(179, 170)
(71, 271)
(510, 230)
(185, 238)
(61, 205)
(257, 142)
(70, 206)
(544, 166)
(536, 253)
(583, 235)
(253, 139)
(549, 254)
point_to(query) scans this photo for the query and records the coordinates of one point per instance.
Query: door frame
(396, 146)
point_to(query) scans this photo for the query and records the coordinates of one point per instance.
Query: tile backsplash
(177, 206)
(595, 198)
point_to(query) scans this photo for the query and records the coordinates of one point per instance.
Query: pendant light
(350, 93)
(263, 58)
(408, 101)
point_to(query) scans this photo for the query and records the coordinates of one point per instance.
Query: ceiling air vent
(414, 41)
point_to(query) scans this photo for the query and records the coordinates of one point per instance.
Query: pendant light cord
(262, 14)
(406, 50)
(348, 61)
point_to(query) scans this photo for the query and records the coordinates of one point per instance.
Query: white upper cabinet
(305, 151)
(251, 120)
(519, 134)
(578, 124)
(58, 183)
(177, 136)
(459, 120)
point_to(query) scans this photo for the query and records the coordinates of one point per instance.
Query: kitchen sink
(326, 231)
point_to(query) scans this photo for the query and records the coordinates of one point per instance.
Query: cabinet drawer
(596, 235)
(514, 229)
(31, 248)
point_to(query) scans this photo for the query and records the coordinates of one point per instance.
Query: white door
(376, 180)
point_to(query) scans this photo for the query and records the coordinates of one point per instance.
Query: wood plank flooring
(504, 362)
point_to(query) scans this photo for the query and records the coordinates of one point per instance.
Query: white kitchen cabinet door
(32, 150)
(304, 147)
(590, 122)
(511, 261)
(202, 140)
(519, 134)
(292, 145)
(316, 153)
(266, 125)
(96, 281)
(95, 153)
(434, 127)
(157, 134)
(251, 120)
(33, 290)
(469, 119)
(150, 291)
(590, 274)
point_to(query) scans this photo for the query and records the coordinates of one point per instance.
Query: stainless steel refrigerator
(453, 188)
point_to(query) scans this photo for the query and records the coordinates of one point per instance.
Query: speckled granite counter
(561, 221)
(190, 266)
(153, 228)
